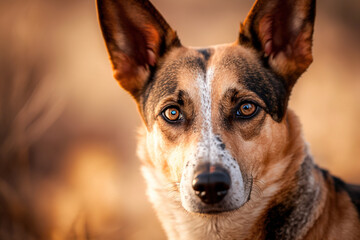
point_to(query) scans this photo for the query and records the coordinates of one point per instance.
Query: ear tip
(100, 3)
(101, 6)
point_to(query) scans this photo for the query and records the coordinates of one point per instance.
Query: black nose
(211, 184)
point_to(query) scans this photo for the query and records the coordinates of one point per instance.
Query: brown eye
(246, 110)
(172, 114)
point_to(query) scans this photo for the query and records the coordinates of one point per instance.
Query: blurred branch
(27, 109)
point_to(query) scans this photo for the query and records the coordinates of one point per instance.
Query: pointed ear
(282, 32)
(136, 36)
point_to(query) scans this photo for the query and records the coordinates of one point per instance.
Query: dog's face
(213, 110)
(215, 117)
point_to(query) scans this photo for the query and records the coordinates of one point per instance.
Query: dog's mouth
(210, 210)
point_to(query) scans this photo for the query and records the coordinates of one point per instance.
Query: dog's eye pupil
(246, 109)
(172, 114)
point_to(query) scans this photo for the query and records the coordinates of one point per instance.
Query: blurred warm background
(68, 168)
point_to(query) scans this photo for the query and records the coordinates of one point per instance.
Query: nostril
(211, 187)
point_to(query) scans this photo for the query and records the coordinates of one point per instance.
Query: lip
(217, 210)
(214, 211)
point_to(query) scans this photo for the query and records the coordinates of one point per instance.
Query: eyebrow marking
(205, 52)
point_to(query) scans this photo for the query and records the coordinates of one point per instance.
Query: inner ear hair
(136, 36)
(282, 33)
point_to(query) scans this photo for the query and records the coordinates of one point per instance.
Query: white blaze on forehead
(209, 146)
(207, 135)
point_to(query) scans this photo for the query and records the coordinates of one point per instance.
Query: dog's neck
(288, 213)
(293, 211)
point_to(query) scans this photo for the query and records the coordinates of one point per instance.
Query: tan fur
(334, 211)
(281, 193)
(273, 167)
(235, 225)
(338, 218)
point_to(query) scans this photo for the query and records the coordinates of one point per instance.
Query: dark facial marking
(164, 82)
(222, 145)
(260, 80)
(187, 109)
(157, 88)
(249, 128)
(228, 101)
(206, 53)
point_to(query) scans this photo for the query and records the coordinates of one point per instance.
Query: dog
(222, 155)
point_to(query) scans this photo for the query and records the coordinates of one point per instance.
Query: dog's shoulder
(353, 191)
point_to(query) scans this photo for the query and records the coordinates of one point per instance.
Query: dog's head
(215, 117)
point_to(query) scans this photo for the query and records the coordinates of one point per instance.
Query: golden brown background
(68, 168)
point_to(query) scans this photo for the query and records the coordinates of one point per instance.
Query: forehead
(233, 67)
